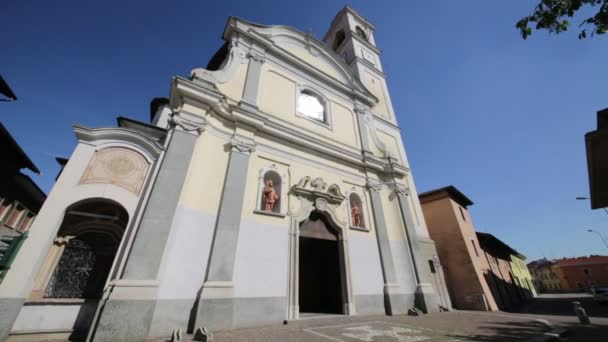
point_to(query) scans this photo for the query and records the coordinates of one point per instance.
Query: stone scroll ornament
(270, 196)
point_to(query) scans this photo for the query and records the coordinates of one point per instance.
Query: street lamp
(581, 198)
(601, 236)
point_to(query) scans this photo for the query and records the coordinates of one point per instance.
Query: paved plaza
(452, 326)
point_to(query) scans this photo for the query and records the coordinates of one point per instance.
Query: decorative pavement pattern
(380, 331)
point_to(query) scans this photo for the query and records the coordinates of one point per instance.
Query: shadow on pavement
(504, 331)
(563, 307)
(586, 333)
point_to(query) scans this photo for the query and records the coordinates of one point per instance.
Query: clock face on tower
(311, 105)
(368, 56)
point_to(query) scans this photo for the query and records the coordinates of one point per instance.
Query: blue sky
(501, 118)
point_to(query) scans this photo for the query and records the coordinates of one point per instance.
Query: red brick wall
(570, 276)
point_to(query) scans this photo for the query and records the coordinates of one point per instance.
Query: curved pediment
(302, 48)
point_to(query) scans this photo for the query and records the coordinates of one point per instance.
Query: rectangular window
(432, 266)
(462, 214)
(587, 272)
(5, 206)
(14, 216)
(27, 220)
(475, 247)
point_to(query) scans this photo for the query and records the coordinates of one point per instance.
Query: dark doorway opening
(320, 281)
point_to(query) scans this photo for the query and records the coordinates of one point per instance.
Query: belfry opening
(320, 267)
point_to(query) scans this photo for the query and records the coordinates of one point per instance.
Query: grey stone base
(427, 299)
(398, 303)
(9, 310)
(124, 320)
(230, 313)
(370, 304)
(170, 315)
(426, 253)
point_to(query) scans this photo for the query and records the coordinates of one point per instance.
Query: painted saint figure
(356, 214)
(270, 196)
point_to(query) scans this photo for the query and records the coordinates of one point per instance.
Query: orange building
(464, 263)
(579, 274)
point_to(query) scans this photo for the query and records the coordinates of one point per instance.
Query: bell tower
(352, 37)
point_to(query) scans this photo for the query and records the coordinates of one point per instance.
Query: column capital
(187, 122)
(373, 185)
(242, 144)
(361, 109)
(401, 190)
(256, 56)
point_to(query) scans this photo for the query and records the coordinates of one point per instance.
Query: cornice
(90, 135)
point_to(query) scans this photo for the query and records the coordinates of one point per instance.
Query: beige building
(270, 185)
(465, 265)
(544, 276)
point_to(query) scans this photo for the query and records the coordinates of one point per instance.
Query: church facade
(270, 186)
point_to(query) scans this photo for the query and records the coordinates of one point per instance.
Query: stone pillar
(216, 304)
(127, 313)
(394, 298)
(427, 298)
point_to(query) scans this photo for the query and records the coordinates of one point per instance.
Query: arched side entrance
(319, 264)
(80, 259)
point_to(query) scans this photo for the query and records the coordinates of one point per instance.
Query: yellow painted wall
(318, 62)
(277, 97)
(204, 182)
(234, 87)
(392, 215)
(375, 85)
(392, 144)
(296, 170)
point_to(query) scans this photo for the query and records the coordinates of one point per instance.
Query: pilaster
(426, 297)
(393, 297)
(252, 81)
(216, 305)
(127, 310)
(365, 139)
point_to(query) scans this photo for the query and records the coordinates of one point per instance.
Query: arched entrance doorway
(320, 266)
(76, 269)
(319, 271)
(88, 240)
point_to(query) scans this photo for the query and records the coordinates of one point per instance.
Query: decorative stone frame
(283, 193)
(364, 221)
(63, 236)
(327, 122)
(313, 196)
